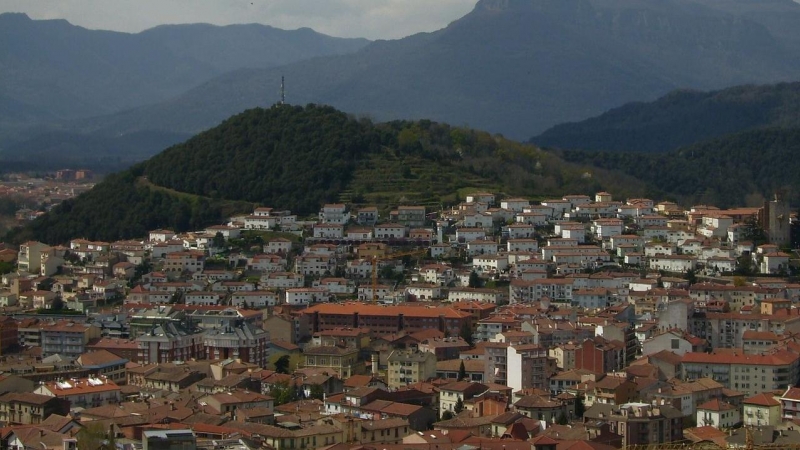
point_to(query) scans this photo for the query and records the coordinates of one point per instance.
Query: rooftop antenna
(283, 92)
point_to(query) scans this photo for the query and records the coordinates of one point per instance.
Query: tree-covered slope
(733, 170)
(680, 118)
(299, 158)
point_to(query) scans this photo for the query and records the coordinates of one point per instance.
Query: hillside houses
(490, 321)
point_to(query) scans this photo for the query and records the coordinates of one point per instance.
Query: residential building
(750, 374)
(718, 413)
(410, 366)
(67, 338)
(27, 408)
(340, 360)
(82, 392)
(761, 410)
(458, 392)
(239, 341)
(640, 423)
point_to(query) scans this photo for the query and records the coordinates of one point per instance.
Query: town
(575, 323)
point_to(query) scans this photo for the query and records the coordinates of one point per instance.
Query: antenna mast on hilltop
(283, 92)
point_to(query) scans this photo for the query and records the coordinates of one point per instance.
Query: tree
(580, 406)
(316, 392)
(58, 304)
(462, 371)
(691, 277)
(282, 364)
(283, 393)
(447, 415)
(474, 280)
(91, 437)
(219, 240)
(466, 333)
(562, 418)
(459, 406)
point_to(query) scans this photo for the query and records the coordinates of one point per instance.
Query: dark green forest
(729, 171)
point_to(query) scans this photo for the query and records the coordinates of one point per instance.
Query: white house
(390, 231)
(278, 246)
(522, 245)
(281, 280)
(203, 298)
(515, 204)
(718, 414)
(424, 291)
(329, 230)
(254, 299)
(470, 234)
(335, 213)
(482, 247)
(673, 263)
(490, 263)
(306, 296)
(520, 231)
(774, 262)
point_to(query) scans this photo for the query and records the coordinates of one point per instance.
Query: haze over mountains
(50, 69)
(516, 67)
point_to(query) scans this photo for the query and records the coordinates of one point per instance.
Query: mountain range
(516, 67)
(680, 118)
(52, 70)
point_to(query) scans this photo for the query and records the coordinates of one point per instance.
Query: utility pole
(283, 92)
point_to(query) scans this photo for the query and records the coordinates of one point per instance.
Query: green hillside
(733, 170)
(302, 157)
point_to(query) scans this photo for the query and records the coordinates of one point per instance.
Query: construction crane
(375, 259)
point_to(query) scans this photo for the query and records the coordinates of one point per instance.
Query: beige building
(341, 360)
(407, 366)
(762, 409)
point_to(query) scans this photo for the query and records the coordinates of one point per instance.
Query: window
(675, 344)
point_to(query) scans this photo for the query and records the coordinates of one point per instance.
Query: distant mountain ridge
(58, 70)
(680, 118)
(518, 66)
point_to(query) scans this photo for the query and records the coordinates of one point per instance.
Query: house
(454, 395)
(390, 231)
(334, 213)
(762, 409)
(27, 408)
(409, 366)
(82, 392)
(104, 363)
(328, 231)
(790, 403)
(409, 216)
(340, 360)
(639, 423)
(718, 413)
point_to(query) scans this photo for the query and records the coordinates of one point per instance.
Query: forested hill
(680, 118)
(733, 170)
(299, 158)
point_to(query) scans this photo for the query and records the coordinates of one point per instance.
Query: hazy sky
(373, 19)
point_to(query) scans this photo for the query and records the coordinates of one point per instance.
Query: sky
(372, 19)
